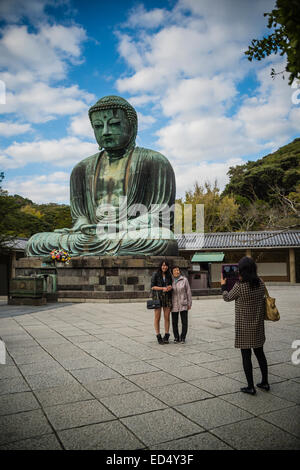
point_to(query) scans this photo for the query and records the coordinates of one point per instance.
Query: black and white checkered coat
(249, 314)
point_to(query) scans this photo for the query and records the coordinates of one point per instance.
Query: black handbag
(154, 303)
(151, 304)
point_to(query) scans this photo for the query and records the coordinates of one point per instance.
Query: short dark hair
(248, 271)
(174, 267)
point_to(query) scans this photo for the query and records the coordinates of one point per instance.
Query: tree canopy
(285, 40)
(20, 217)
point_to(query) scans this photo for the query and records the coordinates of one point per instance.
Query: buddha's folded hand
(89, 229)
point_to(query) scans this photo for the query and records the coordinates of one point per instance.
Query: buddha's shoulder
(150, 155)
(86, 161)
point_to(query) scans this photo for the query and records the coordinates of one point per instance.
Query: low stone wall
(107, 278)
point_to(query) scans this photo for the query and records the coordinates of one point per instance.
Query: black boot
(166, 338)
(159, 339)
(249, 390)
(264, 386)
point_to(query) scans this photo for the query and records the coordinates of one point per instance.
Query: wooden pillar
(248, 252)
(13, 265)
(292, 265)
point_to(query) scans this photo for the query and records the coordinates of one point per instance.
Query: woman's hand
(223, 281)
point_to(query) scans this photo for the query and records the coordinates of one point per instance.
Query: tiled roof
(223, 240)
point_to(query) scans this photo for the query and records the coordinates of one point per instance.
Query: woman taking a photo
(249, 294)
(181, 303)
(161, 285)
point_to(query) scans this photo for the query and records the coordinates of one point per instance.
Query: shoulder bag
(271, 311)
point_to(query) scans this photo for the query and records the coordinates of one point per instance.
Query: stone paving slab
(218, 385)
(288, 390)
(133, 403)
(262, 402)
(160, 426)
(110, 387)
(149, 380)
(203, 441)
(64, 394)
(91, 374)
(191, 372)
(213, 412)
(47, 442)
(9, 372)
(20, 426)
(104, 436)
(17, 402)
(287, 419)
(179, 393)
(287, 371)
(37, 368)
(200, 357)
(13, 385)
(25, 357)
(240, 376)
(225, 366)
(52, 378)
(72, 415)
(131, 368)
(256, 434)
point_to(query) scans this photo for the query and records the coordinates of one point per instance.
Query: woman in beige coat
(181, 303)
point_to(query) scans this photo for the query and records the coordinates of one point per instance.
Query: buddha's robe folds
(144, 177)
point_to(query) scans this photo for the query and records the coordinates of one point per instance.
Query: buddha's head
(114, 122)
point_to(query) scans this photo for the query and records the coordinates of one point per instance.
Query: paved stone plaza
(92, 376)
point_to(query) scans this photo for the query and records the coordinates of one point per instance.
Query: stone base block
(26, 301)
(101, 278)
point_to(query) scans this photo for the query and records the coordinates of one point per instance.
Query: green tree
(285, 40)
(219, 211)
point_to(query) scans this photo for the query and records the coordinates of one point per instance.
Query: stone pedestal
(26, 290)
(94, 278)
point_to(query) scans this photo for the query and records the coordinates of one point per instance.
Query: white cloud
(140, 18)
(41, 102)
(8, 129)
(212, 94)
(144, 122)
(81, 126)
(41, 189)
(143, 100)
(43, 54)
(62, 153)
(31, 61)
(194, 63)
(15, 10)
(21, 50)
(187, 175)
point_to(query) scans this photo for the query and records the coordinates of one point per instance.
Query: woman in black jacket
(161, 286)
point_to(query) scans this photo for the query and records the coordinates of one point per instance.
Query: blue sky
(199, 100)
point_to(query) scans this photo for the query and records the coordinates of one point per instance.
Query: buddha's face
(112, 129)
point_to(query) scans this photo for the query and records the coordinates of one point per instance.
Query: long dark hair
(248, 272)
(168, 272)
